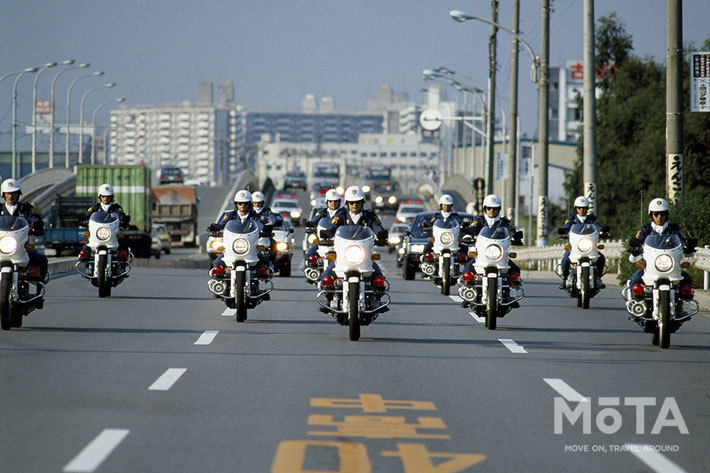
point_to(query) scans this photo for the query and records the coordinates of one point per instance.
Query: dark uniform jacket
(323, 213)
(452, 215)
(368, 219)
(114, 207)
(232, 214)
(479, 223)
(264, 215)
(26, 210)
(647, 229)
(572, 219)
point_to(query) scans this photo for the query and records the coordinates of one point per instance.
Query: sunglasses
(242, 203)
(658, 214)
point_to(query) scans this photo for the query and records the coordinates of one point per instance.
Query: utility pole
(590, 109)
(674, 100)
(542, 139)
(490, 161)
(511, 186)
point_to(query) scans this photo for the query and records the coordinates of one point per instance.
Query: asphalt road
(156, 378)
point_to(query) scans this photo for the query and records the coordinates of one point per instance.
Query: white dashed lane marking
(511, 345)
(229, 312)
(565, 390)
(91, 457)
(207, 337)
(167, 379)
(653, 459)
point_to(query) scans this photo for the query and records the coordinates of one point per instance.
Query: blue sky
(275, 52)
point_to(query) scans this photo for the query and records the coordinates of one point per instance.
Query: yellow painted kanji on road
(290, 456)
(377, 427)
(417, 459)
(372, 403)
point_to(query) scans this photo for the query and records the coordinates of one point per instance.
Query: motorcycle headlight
(493, 252)
(103, 233)
(240, 246)
(282, 246)
(392, 200)
(8, 245)
(354, 254)
(366, 189)
(216, 245)
(446, 238)
(584, 245)
(295, 214)
(664, 263)
(416, 248)
(312, 238)
(394, 240)
(379, 199)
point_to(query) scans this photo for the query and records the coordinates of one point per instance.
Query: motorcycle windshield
(495, 232)
(237, 226)
(10, 223)
(354, 232)
(663, 242)
(104, 217)
(584, 228)
(446, 224)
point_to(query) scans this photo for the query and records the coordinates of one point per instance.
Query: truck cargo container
(175, 206)
(62, 232)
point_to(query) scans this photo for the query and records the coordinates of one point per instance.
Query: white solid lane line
(653, 459)
(456, 299)
(511, 345)
(478, 319)
(229, 312)
(565, 390)
(96, 452)
(167, 379)
(207, 337)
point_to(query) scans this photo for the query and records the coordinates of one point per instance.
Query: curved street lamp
(34, 112)
(93, 127)
(81, 117)
(68, 125)
(14, 118)
(51, 99)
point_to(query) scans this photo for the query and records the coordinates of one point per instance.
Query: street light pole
(81, 118)
(68, 129)
(511, 186)
(590, 113)
(543, 140)
(93, 127)
(492, 47)
(51, 99)
(34, 113)
(14, 119)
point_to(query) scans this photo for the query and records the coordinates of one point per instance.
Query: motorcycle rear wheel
(240, 301)
(354, 310)
(491, 304)
(5, 284)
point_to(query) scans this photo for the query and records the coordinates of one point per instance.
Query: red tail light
(328, 281)
(379, 282)
(122, 255)
(284, 214)
(515, 278)
(467, 276)
(637, 290)
(217, 271)
(312, 260)
(262, 271)
(84, 255)
(463, 257)
(686, 291)
(33, 272)
(429, 257)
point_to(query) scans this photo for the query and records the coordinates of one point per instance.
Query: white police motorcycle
(242, 283)
(20, 292)
(103, 268)
(583, 246)
(354, 296)
(661, 304)
(442, 264)
(316, 264)
(489, 288)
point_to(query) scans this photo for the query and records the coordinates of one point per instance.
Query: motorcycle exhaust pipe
(217, 287)
(637, 308)
(428, 269)
(311, 274)
(468, 294)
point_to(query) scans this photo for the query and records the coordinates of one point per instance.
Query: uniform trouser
(39, 260)
(514, 268)
(599, 265)
(262, 260)
(636, 278)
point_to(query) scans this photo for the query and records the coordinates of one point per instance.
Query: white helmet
(10, 185)
(581, 201)
(656, 205)
(446, 199)
(354, 194)
(491, 201)
(242, 196)
(106, 190)
(257, 197)
(332, 194)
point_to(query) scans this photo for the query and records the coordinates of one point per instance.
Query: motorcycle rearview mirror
(562, 232)
(290, 230)
(310, 224)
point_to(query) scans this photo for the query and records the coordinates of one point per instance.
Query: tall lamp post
(81, 118)
(68, 129)
(34, 112)
(51, 99)
(14, 118)
(10, 74)
(93, 127)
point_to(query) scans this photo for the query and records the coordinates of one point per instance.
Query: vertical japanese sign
(699, 82)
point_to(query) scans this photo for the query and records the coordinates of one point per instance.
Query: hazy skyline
(275, 52)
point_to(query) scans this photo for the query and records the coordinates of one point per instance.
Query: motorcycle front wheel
(103, 280)
(664, 326)
(584, 293)
(240, 299)
(354, 310)
(446, 277)
(5, 285)
(491, 304)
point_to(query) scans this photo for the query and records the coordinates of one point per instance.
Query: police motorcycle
(21, 288)
(104, 268)
(242, 283)
(662, 303)
(316, 264)
(489, 288)
(355, 296)
(443, 262)
(584, 246)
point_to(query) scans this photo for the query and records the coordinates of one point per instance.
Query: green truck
(132, 187)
